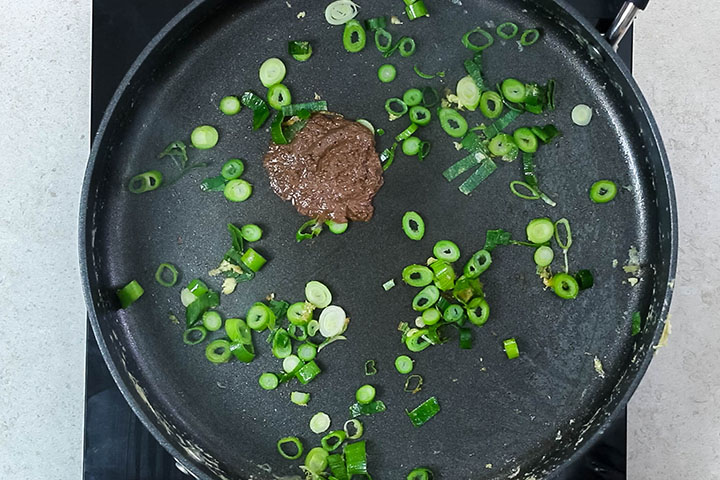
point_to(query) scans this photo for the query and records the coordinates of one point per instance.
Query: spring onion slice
(298, 108)
(424, 150)
(268, 381)
(446, 250)
(358, 409)
(244, 352)
(298, 332)
(395, 107)
(603, 191)
(260, 108)
(318, 294)
(407, 133)
(413, 384)
(333, 440)
(218, 351)
(230, 105)
(320, 422)
(310, 229)
(427, 76)
(251, 232)
(299, 50)
(416, 10)
(582, 115)
(279, 96)
(474, 68)
(259, 317)
(316, 461)
(300, 398)
(487, 166)
(390, 284)
(232, 169)
(540, 230)
(431, 97)
(420, 473)
(454, 314)
(443, 275)
(194, 335)
(281, 344)
(212, 321)
(204, 137)
(388, 156)
(416, 340)
(307, 351)
(529, 37)
(340, 12)
(160, 274)
(417, 275)
(308, 372)
(291, 363)
(272, 72)
(145, 182)
(365, 394)
(237, 330)
(333, 321)
(406, 46)
(404, 364)
(452, 122)
(295, 443)
(489, 40)
(565, 286)
(213, 184)
(387, 53)
(424, 412)
(353, 428)
(511, 348)
(356, 459)
(567, 243)
(386, 73)
(468, 93)
(253, 260)
(531, 195)
(543, 256)
(420, 115)
(354, 36)
(383, 40)
(413, 225)
(465, 338)
(478, 311)
(313, 327)
(502, 30)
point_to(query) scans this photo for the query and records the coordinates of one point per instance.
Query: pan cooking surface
(497, 414)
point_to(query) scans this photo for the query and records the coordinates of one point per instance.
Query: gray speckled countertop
(674, 419)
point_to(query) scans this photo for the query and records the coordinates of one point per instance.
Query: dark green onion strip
(500, 124)
(260, 108)
(213, 184)
(431, 97)
(203, 303)
(294, 441)
(487, 166)
(407, 133)
(376, 23)
(387, 156)
(299, 50)
(465, 338)
(356, 459)
(413, 384)
(358, 409)
(424, 412)
(283, 132)
(310, 229)
(427, 76)
(474, 69)
(370, 368)
(336, 463)
(531, 178)
(160, 274)
(636, 324)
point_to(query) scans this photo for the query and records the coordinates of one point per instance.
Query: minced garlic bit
(229, 285)
(598, 367)
(301, 15)
(395, 20)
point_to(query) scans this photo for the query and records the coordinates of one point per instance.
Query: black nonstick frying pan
(500, 418)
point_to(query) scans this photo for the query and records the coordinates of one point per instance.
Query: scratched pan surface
(499, 417)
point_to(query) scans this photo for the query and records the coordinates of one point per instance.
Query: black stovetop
(117, 445)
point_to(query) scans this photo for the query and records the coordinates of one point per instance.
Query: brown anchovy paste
(329, 171)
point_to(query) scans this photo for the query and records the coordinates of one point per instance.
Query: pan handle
(623, 21)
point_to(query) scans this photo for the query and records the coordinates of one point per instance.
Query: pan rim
(614, 404)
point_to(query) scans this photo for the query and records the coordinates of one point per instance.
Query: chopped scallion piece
(585, 279)
(446, 250)
(478, 311)
(373, 24)
(420, 115)
(417, 275)
(353, 428)
(237, 190)
(218, 351)
(340, 12)
(300, 51)
(383, 40)
(333, 321)
(251, 232)
(387, 73)
(405, 134)
(406, 46)
(507, 30)
(259, 317)
(307, 372)
(212, 321)
(320, 422)
(478, 263)
(279, 96)
(232, 169)
(413, 225)
(354, 36)
(636, 324)
(316, 461)
(260, 108)
(204, 137)
(310, 229)
(416, 10)
(290, 447)
(365, 394)
(413, 384)
(272, 72)
(129, 294)
(318, 294)
(395, 107)
(281, 344)
(356, 459)
(565, 245)
(565, 286)
(443, 275)
(412, 97)
(420, 474)
(540, 230)
(404, 364)
(376, 406)
(389, 284)
(230, 105)
(253, 260)
(511, 348)
(268, 381)
(603, 191)
(336, 463)
(145, 182)
(333, 440)
(452, 122)
(582, 115)
(300, 398)
(194, 335)
(488, 40)
(427, 76)
(291, 363)
(161, 275)
(336, 228)
(370, 368)
(424, 412)
(491, 104)
(529, 37)
(468, 93)
(543, 256)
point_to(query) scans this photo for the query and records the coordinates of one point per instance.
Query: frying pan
(525, 418)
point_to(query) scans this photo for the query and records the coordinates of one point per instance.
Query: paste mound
(330, 170)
